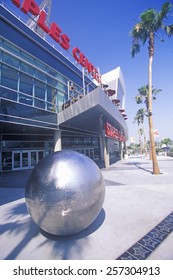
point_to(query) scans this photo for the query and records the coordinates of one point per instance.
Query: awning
(85, 113)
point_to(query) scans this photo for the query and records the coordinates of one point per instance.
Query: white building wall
(115, 80)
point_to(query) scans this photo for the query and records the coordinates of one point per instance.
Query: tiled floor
(145, 246)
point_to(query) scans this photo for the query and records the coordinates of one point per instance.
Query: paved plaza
(136, 221)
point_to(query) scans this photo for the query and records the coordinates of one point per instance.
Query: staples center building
(49, 103)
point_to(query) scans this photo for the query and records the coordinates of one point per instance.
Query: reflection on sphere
(65, 192)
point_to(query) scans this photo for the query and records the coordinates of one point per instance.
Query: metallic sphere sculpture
(65, 192)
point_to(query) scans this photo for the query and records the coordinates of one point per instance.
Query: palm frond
(139, 117)
(166, 8)
(143, 91)
(151, 22)
(135, 49)
(155, 91)
(169, 30)
(139, 99)
(148, 16)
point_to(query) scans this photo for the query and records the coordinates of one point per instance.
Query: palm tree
(166, 141)
(150, 25)
(143, 97)
(139, 118)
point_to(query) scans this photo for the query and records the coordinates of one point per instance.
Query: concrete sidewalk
(136, 221)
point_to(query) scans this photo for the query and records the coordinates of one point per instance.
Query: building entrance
(26, 159)
(84, 144)
(87, 151)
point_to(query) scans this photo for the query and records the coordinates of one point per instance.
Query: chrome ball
(65, 192)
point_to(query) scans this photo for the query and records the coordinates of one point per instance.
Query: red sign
(113, 132)
(56, 33)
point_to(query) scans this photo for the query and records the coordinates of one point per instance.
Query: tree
(143, 97)
(139, 118)
(166, 141)
(152, 23)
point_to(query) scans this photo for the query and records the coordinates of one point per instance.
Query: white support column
(106, 153)
(68, 86)
(103, 144)
(57, 141)
(121, 150)
(83, 79)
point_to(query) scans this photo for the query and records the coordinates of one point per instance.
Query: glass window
(39, 104)
(8, 94)
(27, 57)
(40, 75)
(27, 69)
(51, 93)
(62, 87)
(25, 162)
(33, 158)
(11, 48)
(26, 84)
(61, 99)
(50, 107)
(51, 81)
(61, 78)
(51, 72)
(52, 99)
(25, 99)
(10, 60)
(6, 161)
(39, 90)
(40, 65)
(40, 155)
(9, 77)
(1, 42)
(17, 160)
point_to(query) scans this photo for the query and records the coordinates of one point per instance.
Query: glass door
(26, 159)
(33, 158)
(20, 160)
(89, 152)
(92, 153)
(16, 160)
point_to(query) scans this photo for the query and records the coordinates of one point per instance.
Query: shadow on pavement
(26, 231)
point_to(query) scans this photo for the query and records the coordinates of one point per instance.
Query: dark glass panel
(20, 113)
(6, 161)
(8, 46)
(8, 94)
(11, 60)
(26, 84)
(9, 77)
(40, 90)
(25, 159)
(27, 68)
(25, 99)
(17, 160)
(40, 75)
(33, 158)
(40, 104)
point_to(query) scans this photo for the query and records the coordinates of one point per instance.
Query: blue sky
(100, 28)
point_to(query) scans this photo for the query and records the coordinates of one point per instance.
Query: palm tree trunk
(140, 141)
(156, 169)
(145, 142)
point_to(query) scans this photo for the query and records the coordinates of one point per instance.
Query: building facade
(47, 103)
